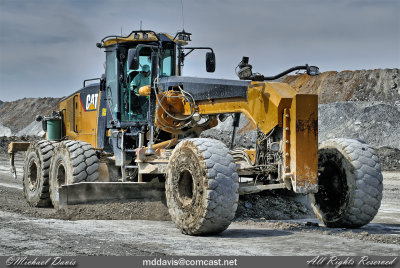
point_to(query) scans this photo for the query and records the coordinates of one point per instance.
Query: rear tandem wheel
(72, 162)
(36, 173)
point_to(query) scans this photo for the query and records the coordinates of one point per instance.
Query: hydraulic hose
(260, 77)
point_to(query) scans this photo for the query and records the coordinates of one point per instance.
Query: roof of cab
(138, 37)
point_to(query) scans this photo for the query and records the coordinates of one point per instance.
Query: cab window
(166, 63)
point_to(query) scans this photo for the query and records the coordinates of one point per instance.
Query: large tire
(350, 184)
(36, 173)
(72, 162)
(201, 186)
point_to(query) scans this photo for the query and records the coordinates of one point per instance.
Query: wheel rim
(60, 178)
(332, 197)
(185, 187)
(33, 173)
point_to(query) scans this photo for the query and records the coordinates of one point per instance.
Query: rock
(5, 131)
(248, 205)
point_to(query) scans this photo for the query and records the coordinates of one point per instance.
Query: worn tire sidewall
(349, 170)
(60, 157)
(32, 196)
(187, 158)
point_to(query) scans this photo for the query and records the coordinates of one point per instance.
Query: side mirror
(210, 62)
(133, 59)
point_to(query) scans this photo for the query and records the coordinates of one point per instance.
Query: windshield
(165, 64)
(133, 106)
(143, 60)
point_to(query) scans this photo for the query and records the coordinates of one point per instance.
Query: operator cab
(136, 106)
(124, 102)
(126, 56)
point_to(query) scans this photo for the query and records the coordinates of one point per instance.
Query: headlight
(245, 72)
(312, 70)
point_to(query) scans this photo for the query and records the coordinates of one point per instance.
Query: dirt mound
(274, 205)
(362, 85)
(378, 124)
(18, 114)
(128, 210)
(113, 210)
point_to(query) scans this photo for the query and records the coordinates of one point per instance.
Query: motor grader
(109, 140)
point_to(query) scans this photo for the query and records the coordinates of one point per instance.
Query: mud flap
(90, 192)
(304, 143)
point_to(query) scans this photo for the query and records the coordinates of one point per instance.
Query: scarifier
(110, 140)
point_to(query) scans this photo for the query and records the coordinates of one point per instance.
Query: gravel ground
(82, 230)
(277, 204)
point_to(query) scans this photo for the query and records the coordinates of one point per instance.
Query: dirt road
(34, 231)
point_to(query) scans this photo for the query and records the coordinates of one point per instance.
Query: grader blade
(91, 192)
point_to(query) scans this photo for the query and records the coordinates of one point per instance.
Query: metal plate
(207, 88)
(89, 192)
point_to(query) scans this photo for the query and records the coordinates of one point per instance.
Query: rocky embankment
(17, 118)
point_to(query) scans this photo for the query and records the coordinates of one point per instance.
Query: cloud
(47, 48)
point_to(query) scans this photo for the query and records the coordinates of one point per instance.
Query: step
(131, 167)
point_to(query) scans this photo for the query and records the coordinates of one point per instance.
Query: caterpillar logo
(91, 102)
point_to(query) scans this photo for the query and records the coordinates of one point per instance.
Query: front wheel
(349, 182)
(201, 186)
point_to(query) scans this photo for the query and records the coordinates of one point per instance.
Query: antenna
(140, 25)
(121, 30)
(183, 18)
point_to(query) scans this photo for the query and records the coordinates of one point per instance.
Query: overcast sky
(48, 47)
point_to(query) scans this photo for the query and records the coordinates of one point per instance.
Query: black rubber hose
(260, 77)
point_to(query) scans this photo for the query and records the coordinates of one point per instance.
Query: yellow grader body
(80, 117)
(270, 105)
(136, 135)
